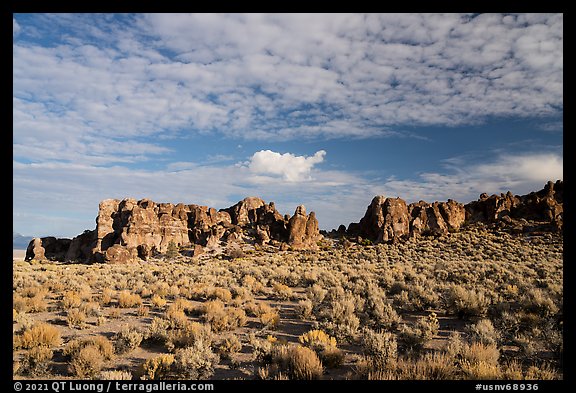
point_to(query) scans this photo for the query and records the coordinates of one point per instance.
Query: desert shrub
(19, 303)
(221, 293)
(339, 318)
(483, 331)
(454, 345)
(195, 362)
(542, 372)
(380, 347)
(38, 335)
(115, 375)
(270, 320)
(304, 309)
(158, 301)
(107, 296)
(430, 366)
(36, 303)
(229, 345)
(316, 294)
(324, 346)
(282, 292)
(114, 313)
(158, 367)
(143, 311)
(35, 361)
(87, 363)
(188, 335)
(75, 318)
(417, 335)
(512, 370)
(71, 299)
(158, 330)
(466, 303)
(103, 344)
(536, 301)
(172, 251)
(222, 318)
(90, 309)
(176, 317)
(383, 315)
(126, 299)
(127, 339)
(297, 362)
(316, 340)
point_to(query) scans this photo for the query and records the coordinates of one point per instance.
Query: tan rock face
(545, 205)
(129, 230)
(389, 219)
(385, 220)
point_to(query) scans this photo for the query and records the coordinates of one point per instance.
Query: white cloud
(15, 28)
(292, 168)
(289, 76)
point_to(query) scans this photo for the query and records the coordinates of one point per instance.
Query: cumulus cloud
(292, 168)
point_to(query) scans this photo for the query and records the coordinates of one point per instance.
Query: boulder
(118, 254)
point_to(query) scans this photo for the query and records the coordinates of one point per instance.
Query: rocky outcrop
(129, 230)
(437, 218)
(47, 248)
(303, 230)
(544, 206)
(390, 219)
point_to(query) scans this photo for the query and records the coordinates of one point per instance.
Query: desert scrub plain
(476, 304)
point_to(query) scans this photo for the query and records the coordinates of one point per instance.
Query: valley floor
(477, 304)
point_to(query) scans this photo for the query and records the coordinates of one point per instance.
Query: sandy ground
(18, 254)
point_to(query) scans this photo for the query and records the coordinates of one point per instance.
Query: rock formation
(129, 230)
(47, 248)
(390, 219)
(544, 206)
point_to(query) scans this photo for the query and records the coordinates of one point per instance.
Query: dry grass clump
(282, 291)
(103, 344)
(71, 299)
(297, 362)
(223, 318)
(324, 346)
(191, 333)
(86, 363)
(466, 303)
(195, 362)
(415, 336)
(158, 301)
(158, 367)
(38, 335)
(126, 299)
(127, 339)
(35, 362)
(76, 318)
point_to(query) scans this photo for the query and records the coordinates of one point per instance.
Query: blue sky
(325, 110)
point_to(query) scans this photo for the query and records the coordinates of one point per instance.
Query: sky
(325, 110)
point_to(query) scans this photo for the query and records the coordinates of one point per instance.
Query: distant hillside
(20, 242)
